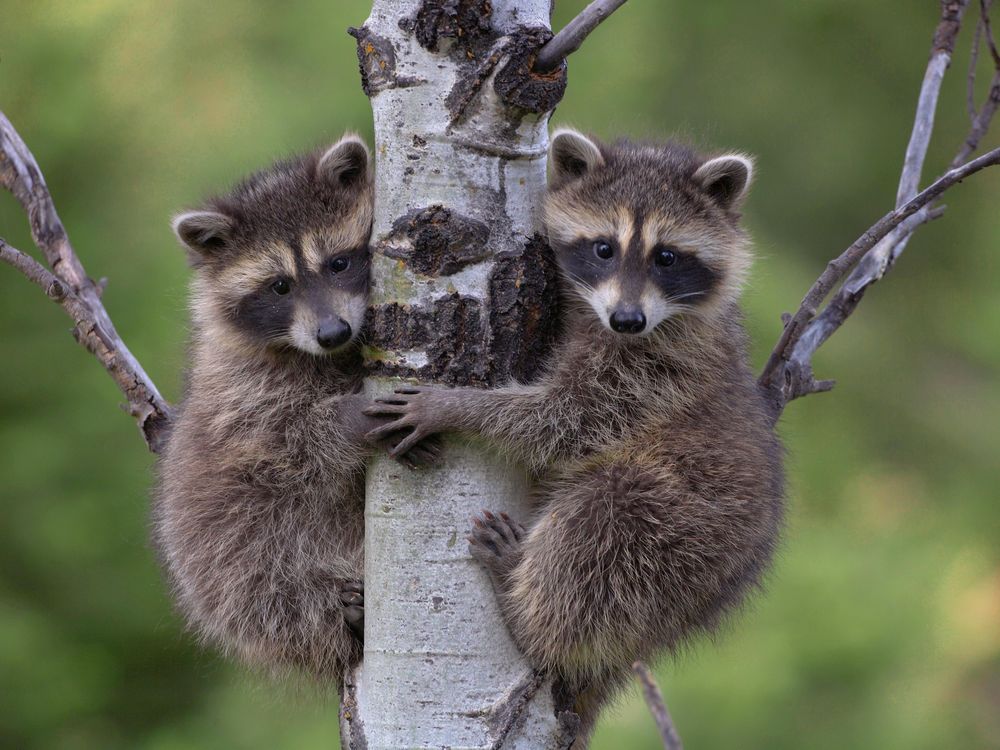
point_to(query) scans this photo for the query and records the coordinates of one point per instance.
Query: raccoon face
(282, 263)
(644, 233)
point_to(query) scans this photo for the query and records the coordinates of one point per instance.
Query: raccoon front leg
(532, 424)
(342, 420)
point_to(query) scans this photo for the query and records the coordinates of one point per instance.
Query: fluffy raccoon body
(258, 517)
(658, 499)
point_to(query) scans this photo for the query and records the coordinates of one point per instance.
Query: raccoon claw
(352, 599)
(495, 541)
(426, 453)
(410, 443)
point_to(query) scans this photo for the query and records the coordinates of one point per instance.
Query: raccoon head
(282, 261)
(646, 232)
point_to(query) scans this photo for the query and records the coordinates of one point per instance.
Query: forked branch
(66, 282)
(788, 373)
(796, 370)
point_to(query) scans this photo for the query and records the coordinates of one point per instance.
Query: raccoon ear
(726, 178)
(572, 155)
(203, 232)
(345, 162)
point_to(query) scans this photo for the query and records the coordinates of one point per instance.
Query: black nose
(628, 320)
(333, 332)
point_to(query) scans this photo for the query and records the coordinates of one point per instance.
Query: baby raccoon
(258, 517)
(659, 482)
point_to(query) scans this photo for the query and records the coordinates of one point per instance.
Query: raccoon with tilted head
(258, 517)
(658, 499)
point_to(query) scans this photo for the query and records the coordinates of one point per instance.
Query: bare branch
(923, 122)
(800, 383)
(73, 289)
(33, 270)
(569, 39)
(981, 124)
(872, 268)
(788, 373)
(881, 258)
(657, 707)
(869, 270)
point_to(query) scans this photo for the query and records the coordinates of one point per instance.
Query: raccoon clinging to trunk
(659, 493)
(258, 517)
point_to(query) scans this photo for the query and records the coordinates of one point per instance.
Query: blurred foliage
(881, 627)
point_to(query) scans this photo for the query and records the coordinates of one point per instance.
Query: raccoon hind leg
(352, 598)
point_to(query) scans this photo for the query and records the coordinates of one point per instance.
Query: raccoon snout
(333, 332)
(627, 320)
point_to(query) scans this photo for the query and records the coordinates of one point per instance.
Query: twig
(981, 119)
(984, 14)
(893, 245)
(68, 283)
(657, 707)
(569, 39)
(982, 122)
(33, 270)
(970, 78)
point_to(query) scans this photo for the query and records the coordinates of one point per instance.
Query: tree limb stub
(572, 36)
(68, 284)
(33, 270)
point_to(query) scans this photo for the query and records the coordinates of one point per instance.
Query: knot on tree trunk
(519, 85)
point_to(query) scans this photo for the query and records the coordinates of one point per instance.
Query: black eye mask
(686, 279)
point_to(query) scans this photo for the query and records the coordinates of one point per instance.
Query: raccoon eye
(665, 257)
(340, 264)
(603, 250)
(281, 287)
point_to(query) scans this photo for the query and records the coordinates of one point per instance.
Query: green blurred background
(881, 627)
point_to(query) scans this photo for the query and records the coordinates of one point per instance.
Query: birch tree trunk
(464, 293)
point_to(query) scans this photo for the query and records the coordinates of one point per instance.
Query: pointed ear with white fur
(726, 178)
(345, 162)
(572, 155)
(203, 232)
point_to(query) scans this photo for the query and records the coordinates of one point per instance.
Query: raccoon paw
(352, 598)
(409, 416)
(495, 541)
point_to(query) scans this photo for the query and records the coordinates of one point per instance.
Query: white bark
(439, 667)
